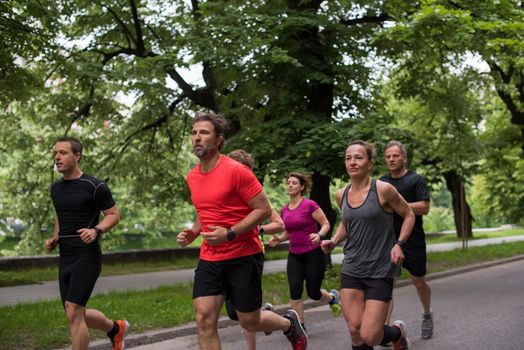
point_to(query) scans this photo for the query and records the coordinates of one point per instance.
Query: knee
(354, 330)
(206, 321)
(249, 325)
(421, 284)
(371, 338)
(74, 312)
(314, 295)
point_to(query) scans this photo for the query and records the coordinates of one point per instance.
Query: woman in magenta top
(305, 261)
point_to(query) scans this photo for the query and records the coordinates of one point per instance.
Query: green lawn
(43, 325)
(11, 278)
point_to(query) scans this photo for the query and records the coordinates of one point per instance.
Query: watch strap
(230, 234)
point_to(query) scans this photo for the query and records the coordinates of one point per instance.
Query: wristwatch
(230, 234)
(98, 231)
(261, 230)
(401, 243)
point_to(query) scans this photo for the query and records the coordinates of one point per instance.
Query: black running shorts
(374, 288)
(415, 261)
(239, 279)
(77, 276)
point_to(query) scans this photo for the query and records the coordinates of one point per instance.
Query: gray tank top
(370, 238)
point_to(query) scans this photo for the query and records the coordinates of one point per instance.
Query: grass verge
(43, 325)
(13, 278)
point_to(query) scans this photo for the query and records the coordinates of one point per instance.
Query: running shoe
(427, 326)
(403, 342)
(119, 340)
(296, 335)
(334, 304)
(268, 307)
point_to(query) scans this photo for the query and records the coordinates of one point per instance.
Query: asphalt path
(478, 310)
(142, 281)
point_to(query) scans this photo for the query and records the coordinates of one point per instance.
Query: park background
(298, 79)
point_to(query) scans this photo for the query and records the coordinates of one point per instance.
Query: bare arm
(420, 207)
(187, 236)
(261, 210)
(395, 201)
(275, 240)
(340, 233)
(111, 218)
(319, 216)
(275, 226)
(50, 244)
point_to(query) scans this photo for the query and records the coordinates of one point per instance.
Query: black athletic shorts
(374, 288)
(239, 279)
(415, 261)
(77, 275)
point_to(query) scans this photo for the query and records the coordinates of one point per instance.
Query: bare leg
(77, 326)
(372, 327)
(251, 339)
(207, 310)
(353, 306)
(97, 320)
(298, 306)
(326, 297)
(258, 321)
(424, 292)
(390, 306)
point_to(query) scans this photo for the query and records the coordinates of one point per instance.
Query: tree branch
(82, 111)
(138, 27)
(366, 20)
(127, 32)
(506, 79)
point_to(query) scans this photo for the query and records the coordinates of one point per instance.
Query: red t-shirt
(220, 198)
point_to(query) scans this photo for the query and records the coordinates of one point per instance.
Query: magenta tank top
(300, 224)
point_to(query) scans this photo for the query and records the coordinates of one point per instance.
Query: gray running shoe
(427, 326)
(296, 335)
(268, 307)
(403, 342)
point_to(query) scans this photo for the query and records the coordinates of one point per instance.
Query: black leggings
(309, 267)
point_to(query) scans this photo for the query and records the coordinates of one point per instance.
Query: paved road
(478, 310)
(49, 290)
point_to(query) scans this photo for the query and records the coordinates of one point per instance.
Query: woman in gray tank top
(371, 253)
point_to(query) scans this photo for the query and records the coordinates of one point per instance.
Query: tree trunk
(320, 194)
(454, 185)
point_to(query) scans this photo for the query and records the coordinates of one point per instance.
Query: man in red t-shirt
(230, 203)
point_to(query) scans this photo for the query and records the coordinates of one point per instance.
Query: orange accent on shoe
(119, 340)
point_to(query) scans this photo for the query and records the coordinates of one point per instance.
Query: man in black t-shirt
(414, 190)
(78, 199)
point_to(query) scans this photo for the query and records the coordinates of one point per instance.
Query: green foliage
(295, 77)
(438, 219)
(498, 188)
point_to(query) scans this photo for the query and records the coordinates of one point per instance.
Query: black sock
(391, 333)
(361, 347)
(111, 334)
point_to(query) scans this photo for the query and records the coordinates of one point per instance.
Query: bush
(439, 219)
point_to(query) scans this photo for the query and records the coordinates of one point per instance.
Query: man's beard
(200, 152)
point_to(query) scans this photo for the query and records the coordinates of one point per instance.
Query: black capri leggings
(309, 267)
